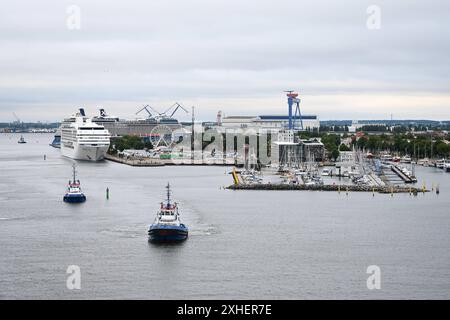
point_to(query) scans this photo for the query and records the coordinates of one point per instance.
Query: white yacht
(447, 166)
(440, 163)
(386, 157)
(406, 159)
(82, 139)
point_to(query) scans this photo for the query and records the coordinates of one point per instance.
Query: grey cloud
(220, 51)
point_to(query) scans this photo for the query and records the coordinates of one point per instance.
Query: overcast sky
(231, 55)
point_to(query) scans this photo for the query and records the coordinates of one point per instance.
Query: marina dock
(406, 178)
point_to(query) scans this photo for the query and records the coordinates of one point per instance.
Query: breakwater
(336, 188)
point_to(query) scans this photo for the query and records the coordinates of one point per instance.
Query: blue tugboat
(74, 194)
(167, 226)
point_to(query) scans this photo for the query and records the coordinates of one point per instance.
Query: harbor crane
(293, 99)
(17, 118)
(146, 107)
(177, 106)
(18, 124)
(155, 114)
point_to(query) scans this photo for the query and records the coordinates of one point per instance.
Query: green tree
(362, 143)
(442, 149)
(335, 154)
(374, 143)
(128, 142)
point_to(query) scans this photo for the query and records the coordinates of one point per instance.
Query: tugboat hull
(161, 233)
(74, 198)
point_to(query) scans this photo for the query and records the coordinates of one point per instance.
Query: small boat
(251, 177)
(167, 226)
(21, 140)
(354, 172)
(447, 166)
(56, 143)
(440, 164)
(386, 157)
(406, 159)
(74, 194)
(300, 172)
(345, 174)
(424, 162)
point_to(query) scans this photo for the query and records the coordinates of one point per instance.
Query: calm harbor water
(243, 244)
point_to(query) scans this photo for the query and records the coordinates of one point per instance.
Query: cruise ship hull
(85, 152)
(163, 233)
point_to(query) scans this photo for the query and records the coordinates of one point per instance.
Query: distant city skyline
(233, 56)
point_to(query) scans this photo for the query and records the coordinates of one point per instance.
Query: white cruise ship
(82, 139)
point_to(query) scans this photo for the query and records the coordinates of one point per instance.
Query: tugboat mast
(168, 194)
(74, 181)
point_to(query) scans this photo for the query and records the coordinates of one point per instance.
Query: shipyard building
(278, 122)
(288, 149)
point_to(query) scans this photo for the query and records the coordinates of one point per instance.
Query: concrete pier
(136, 162)
(154, 162)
